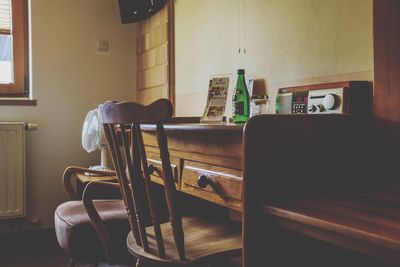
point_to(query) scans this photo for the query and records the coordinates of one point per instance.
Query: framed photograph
(218, 89)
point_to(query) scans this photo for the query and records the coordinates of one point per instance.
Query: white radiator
(12, 170)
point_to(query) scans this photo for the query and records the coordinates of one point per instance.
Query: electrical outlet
(103, 47)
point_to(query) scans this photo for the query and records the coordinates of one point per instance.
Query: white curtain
(5, 16)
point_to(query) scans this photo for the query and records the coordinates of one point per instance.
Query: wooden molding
(17, 102)
(20, 86)
(155, 57)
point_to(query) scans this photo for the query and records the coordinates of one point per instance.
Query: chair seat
(77, 236)
(204, 240)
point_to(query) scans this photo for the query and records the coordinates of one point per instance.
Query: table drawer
(216, 183)
(156, 162)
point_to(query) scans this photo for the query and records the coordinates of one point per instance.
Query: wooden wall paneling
(148, 95)
(152, 58)
(153, 77)
(155, 68)
(156, 36)
(387, 59)
(171, 54)
(387, 85)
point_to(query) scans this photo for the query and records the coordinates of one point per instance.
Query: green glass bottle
(241, 100)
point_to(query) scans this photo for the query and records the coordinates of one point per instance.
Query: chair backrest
(122, 128)
(294, 156)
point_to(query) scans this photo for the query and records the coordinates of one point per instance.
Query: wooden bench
(321, 177)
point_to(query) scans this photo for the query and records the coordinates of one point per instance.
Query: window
(14, 48)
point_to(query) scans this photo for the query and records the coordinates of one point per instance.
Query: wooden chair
(100, 203)
(183, 241)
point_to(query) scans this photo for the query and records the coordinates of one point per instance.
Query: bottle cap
(240, 71)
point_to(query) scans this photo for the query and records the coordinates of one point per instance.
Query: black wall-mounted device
(137, 10)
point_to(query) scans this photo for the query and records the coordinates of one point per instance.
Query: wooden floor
(37, 249)
(34, 249)
(40, 249)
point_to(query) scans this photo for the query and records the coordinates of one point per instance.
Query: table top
(179, 127)
(191, 124)
(90, 178)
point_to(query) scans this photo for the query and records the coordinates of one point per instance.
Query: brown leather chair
(74, 229)
(182, 240)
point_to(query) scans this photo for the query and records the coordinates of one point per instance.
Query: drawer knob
(203, 181)
(151, 169)
(154, 170)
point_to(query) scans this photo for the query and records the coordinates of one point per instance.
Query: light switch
(103, 46)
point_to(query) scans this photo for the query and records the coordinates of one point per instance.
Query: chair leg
(139, 263)
(72, 263)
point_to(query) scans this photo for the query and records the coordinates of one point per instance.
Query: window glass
(6, 59)
(14, 76)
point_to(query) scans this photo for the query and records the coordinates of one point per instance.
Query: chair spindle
(109, 130)
(170, 192)
(134, 175)
(150, 199)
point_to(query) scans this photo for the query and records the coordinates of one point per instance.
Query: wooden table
(213, 151)
(202, 151)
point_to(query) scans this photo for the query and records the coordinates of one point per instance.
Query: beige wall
(68, 79)
(287, 42)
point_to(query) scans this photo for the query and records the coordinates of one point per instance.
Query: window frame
(19, 32)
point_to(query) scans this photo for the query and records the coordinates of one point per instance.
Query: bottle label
(238, 108)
